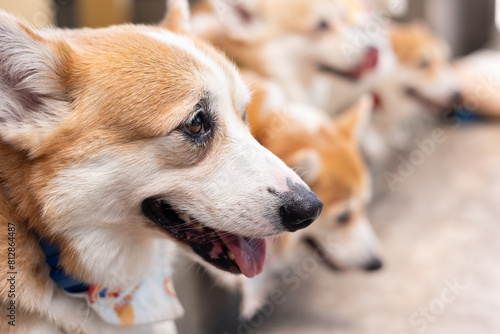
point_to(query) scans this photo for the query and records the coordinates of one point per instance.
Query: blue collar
(57, 273)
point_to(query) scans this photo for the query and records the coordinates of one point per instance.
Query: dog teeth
(198, 228)
(230, 255)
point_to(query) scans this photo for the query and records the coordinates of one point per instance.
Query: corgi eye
(198, 129)
(199, 126)
(344, 218)
(196, 126)
(323, 25)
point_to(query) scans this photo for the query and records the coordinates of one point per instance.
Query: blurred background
(466, 24)
(440, 229)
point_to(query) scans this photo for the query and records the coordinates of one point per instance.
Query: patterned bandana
(153, 300)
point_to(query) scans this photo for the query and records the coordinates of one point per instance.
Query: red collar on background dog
(377, 101)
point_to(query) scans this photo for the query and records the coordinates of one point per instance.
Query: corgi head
(423, 79)
(292, 46)
(114, 138)
(343, 236)
(326, 154)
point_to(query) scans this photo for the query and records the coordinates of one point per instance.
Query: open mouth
(316, 247)
(224, 250)
(369, 62)
(428, 103)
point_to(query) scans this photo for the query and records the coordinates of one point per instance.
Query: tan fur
(177, 16)
(201, 7)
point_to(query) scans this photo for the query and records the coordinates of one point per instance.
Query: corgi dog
(120, 147)
(304, 46)
(326, 153)
(421, 87)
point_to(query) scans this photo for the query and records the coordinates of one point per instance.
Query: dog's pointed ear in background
(33, 72)
(397, 8)
(407, 39)
(240, 18)
(177, 17)
(307, 164)
(354, 121)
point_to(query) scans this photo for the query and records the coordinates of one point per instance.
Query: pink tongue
(250, 254)
(370, 61)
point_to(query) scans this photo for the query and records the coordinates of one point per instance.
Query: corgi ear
(354, 121)
(32, 95)
(397, 8)
(409, 31)
(307, 164)
(177, 16)
(240, 18)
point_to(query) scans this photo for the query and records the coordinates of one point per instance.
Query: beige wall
(37, 12)
(101, 13)
(89, 13)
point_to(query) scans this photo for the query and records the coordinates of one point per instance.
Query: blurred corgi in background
(326, 153)
(421, 89)
(299, 44)
(367, 22)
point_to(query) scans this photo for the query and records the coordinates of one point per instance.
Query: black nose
(374, 264)
(300, 208)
